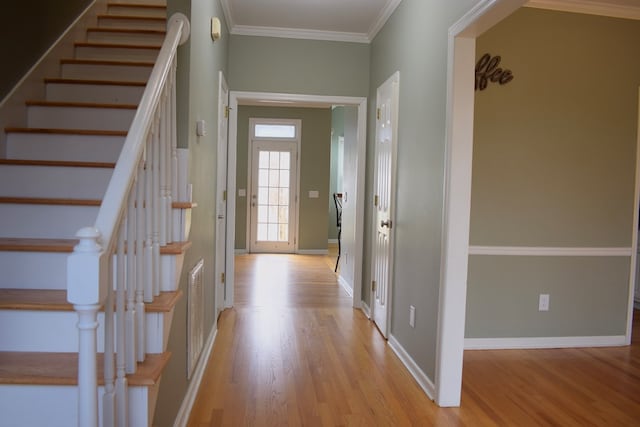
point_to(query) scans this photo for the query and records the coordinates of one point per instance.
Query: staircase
(52, 182)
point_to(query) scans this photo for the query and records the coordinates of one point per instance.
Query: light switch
(201, 128)
(314, 194)
(242, 192)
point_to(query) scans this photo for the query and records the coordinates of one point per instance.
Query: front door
(273, 203)
(384, 187)
(221, 193)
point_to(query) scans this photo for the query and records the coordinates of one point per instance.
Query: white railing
(116, 264)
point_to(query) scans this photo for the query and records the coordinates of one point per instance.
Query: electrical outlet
(412, 316)
(543, 302)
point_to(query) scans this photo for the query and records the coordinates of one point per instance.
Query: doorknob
(386, 223)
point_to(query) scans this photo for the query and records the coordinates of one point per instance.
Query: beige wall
(553, 166)
(315, 154)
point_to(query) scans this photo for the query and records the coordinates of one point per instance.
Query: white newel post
(86, 292)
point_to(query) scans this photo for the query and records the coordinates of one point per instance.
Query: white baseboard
(543, 342)
(418, 374)
(241, 252)
(346, 286)
(313, 251)
(366, 310)
(333, 241)
(192, 391)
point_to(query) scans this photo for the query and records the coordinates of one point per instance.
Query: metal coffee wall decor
(487, 70)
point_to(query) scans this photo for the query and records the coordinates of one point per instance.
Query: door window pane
(275, 131)
(273, 196)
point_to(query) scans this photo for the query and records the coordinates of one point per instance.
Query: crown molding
(384, 16)
(295, 33)
(228, 15)
(588, 7)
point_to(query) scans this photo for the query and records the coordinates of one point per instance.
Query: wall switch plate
(543, 302)
(314, 194)
(412, 316)
(242, 192)
(201, 127)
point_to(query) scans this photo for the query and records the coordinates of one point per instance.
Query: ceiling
(360, 20)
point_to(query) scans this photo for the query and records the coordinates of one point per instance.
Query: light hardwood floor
(293, 352)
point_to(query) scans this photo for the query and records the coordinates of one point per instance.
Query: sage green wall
(33, 27)
(337, 130)
(198, 66)
(414, 42)
(271, 64)
(314, 171)
(553, 165)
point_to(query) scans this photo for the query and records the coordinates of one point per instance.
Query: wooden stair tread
(125, 30)
(40, 368)
(175, 248)
(133, 17)
(19, 244)
(56, 300)
(137, 5)
(57, 163)
(34, 299)
(39, 103)
(117, 45)
(85, 132)
(184, 205)
(106, 62)
(49, 201)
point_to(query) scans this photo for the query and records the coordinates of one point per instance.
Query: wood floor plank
(293, 352)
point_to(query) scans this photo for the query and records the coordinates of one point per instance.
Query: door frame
(220, 303)
(295, 100)
(394, 80)
(298, 142)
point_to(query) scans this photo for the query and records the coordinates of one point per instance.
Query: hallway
(293, 352)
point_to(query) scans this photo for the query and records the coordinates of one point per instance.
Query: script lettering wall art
(487, 70)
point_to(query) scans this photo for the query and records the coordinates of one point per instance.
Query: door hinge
(224, 195)
(226, 112)
(375, 200)
(373, 285)
(222, 277)
(378, 114)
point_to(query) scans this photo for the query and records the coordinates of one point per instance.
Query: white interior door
(221, 193)
(384, 188)
(273, 203)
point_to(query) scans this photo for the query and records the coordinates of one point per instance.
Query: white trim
(543, 342)
(332, 241)
(345, 285)
(457, 193)
(297, 33)
(236, 98)
(548, 251)
(365, 309)
(194, 385)
(228, 13)
(634, 238)
(588, 7)
(418, 374)
(382, 19)
(241, 251)
(313, 251)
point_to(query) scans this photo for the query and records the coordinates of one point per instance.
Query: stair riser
(130, 38)
(45, 221)
(139, 24)
(64, 147)
(135, 11)
(61, 333)
(110, 94)
(57, 405)
(116, 53)
(53, 182)
(106, 72)
(171, 266)
(79, 118)
(18, 270)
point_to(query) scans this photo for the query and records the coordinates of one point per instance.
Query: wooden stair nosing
(125, 30)
(39, 368)
(184, 205)
(57, 163)
(49, 201)
(74, 61)
(136, 5)
(50, 131)
(56, 300)
(19, 244)
(117, 45)
(132, 17)
(39, 103)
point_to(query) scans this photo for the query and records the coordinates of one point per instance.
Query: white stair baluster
(140, 264)
(130, 326)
